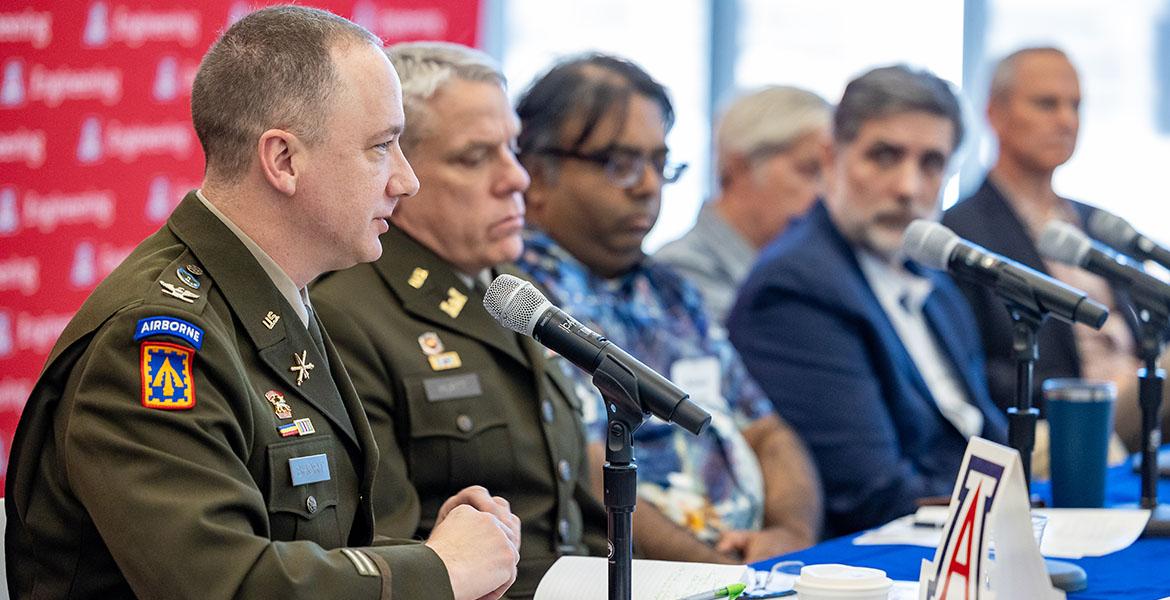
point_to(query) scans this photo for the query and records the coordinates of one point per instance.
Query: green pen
(730, 592)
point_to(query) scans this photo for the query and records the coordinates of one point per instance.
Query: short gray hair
(892, 90)
(424, 67)
(1003, 77)
(272, 69)
(768, 120)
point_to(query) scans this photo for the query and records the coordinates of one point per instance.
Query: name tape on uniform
(309, 469)
(452, 387)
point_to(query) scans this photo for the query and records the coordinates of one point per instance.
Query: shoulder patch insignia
(151, 326)
(166, 376)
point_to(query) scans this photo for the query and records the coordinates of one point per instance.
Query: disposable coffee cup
(842, 582)
(1080, 422)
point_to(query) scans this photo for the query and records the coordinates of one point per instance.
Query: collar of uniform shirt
(297, 299)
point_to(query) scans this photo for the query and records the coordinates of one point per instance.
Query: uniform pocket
(456, 442)
(302, 510)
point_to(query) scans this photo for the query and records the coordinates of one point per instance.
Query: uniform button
(564, 529)
(547, 411)
(464, 423)
(566, 471)
(311, 504)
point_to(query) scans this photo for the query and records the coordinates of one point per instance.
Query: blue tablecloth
(1140, 572)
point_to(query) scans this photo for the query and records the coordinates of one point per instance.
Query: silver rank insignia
(179, 292)
(418, 277)
(302, 366)
(279, 406)
(430, 343)
(270, 319)
(453, 305)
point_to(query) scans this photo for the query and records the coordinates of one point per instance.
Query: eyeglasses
(624, 166)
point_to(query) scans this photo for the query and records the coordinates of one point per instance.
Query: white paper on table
(1070, 532)
(586, 578)
(902, 531)
(1081, 532)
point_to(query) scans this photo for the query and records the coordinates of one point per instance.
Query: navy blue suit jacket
(814, 335)
(987, 219)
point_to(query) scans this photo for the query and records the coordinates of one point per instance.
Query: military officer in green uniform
(459, 398)
(194, 433)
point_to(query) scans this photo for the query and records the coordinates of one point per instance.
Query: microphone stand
(1022, 420)
(1154, 328)
(1023, 416)
(624, 415)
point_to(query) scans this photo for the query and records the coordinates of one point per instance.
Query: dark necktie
(318, 339)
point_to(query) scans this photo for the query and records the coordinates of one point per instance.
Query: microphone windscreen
(1064, 243)
(929, 243)
(515, 303)
(1111, 229)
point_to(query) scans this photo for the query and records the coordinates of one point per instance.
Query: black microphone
(519, 306)
(1065, 243)
(936, 246)
(1117, 232)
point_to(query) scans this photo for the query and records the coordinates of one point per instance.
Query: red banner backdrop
(96, 145)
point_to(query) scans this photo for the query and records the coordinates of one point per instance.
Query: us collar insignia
(301, 367)
(430, 343)
(194, 270)
(453, 305)
(418, 277)
(270, 319)
(179, 292)
(166, 376)
(279, 406)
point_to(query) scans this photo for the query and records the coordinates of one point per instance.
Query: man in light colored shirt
(875, 362)
(770, 146)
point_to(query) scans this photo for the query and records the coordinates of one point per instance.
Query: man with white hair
(770, 146)
(453, 397)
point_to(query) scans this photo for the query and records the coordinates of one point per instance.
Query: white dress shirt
(902, 295)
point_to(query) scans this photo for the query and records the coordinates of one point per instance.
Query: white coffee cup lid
(836, 577)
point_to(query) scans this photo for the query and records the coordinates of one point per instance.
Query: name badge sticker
(309, 469)
(152, 326)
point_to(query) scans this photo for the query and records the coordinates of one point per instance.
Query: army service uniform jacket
(179, 445)
(459, 400)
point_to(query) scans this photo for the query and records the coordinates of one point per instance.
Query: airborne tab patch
(169, 326)
(166, 376)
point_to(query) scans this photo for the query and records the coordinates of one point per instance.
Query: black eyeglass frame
(628, 175)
